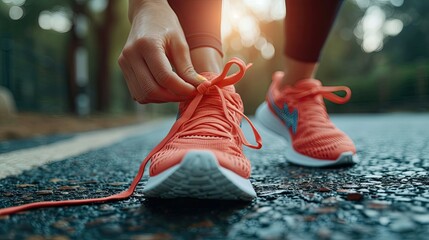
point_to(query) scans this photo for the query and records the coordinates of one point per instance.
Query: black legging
(307, 25)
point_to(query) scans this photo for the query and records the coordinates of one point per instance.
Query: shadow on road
(186, 207)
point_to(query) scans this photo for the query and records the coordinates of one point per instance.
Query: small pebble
(55, 180)
(374, 176)
(402, 225)
(370, 213)
(324, 210)
(264, 209)
(8, 194)
(378, 204)
(273, 232)
(384, 220)
(418, 209)
(25, 185)
(44, 192)
(421, 218)
(68, 188)
(324, 233)
(421, 199)
(324, 189)
(354, 197)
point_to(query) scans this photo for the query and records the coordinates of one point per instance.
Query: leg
(307, 26)
(200, 21)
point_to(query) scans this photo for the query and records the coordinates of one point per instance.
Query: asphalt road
(386, 196)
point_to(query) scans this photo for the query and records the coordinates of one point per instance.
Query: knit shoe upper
(302, 110)
(210, 121)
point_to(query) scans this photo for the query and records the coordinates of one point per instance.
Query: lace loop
(328, 93)
(313, 112)
(222, 81)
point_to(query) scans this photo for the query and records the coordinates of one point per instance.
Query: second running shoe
(298, 114)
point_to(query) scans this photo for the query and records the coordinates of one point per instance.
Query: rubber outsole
(272, 123)
(200, 176)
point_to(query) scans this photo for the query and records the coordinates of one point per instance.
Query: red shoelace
(313, 111)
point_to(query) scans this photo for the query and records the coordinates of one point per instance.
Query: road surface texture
(386, 196)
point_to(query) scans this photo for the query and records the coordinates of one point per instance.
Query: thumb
(181, 60)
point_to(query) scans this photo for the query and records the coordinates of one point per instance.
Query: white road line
(15, 162)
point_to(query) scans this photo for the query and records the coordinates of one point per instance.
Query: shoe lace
(209, 118)
(217, 83)
(312, 108)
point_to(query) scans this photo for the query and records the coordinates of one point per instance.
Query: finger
(161, 70)
(154, 92)
(130, 78)
(148, 89)
(182, 62)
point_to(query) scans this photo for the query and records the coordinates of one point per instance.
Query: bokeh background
(60, 57)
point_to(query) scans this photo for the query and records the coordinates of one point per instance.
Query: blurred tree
(89, 24)
(101, 24)
(385, 79)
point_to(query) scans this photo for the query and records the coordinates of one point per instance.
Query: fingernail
(201, 78)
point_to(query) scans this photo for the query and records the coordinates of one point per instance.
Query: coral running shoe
(202, 156)
(298, 114)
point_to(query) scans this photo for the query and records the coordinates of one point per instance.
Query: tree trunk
(74, 43)
(103, 42)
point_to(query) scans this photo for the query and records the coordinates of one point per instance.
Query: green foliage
(393, 79)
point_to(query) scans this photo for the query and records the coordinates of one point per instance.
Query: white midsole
(242, 183)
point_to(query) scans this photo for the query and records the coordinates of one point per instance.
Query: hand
(156, 43)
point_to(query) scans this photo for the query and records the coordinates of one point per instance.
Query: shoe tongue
(308, 84)
(210, 76)
(303, 86)
(214, 99)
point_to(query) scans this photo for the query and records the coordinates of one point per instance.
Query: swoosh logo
(289, 118)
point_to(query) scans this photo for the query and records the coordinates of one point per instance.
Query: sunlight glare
(260, 43)
(57, 21)
(16, 13)
(370, 29)
(373, 19)
(397, 3)
(268, 51)
(373, 42)
(14, 2)
(393, 27)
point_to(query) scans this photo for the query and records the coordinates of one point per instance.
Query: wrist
(135, 6)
